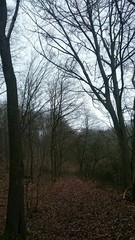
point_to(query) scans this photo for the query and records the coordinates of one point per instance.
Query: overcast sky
(26, 52)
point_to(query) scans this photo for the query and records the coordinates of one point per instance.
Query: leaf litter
(76, 210)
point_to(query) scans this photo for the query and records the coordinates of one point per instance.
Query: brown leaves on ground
(80, 211)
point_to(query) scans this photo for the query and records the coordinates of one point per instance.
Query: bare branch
(13, 19)
(3, 18)
(132, 2)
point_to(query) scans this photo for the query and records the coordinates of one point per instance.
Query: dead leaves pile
(79, 210)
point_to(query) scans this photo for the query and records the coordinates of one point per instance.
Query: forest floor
(75, 210)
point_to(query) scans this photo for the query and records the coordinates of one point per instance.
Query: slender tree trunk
(31, 151)
(94, 167)
(52, 157)
(15, 222)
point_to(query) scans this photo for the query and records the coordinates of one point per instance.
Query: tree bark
(125, 158)
(121, 133)
(15, 222)
(133, 153)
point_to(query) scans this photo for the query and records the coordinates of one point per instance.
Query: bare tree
(93, 41)
(15, 222)
(63, 102)
(32, 102)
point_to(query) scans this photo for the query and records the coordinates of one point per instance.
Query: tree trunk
(133, 169)
(15, 222)
(125, 159)
(133, 154)
(121, 133)
(31, 151)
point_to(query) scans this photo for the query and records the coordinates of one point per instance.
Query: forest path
(77, 210)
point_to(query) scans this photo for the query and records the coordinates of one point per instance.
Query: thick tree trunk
(125, 159)
(121, 133)
(133, 162)
(15, 222)
(133, 170)
(133, 154)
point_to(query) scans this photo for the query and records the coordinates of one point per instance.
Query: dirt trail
(76, 210)
(73, 209)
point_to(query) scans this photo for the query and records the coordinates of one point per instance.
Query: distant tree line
(54, 152)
